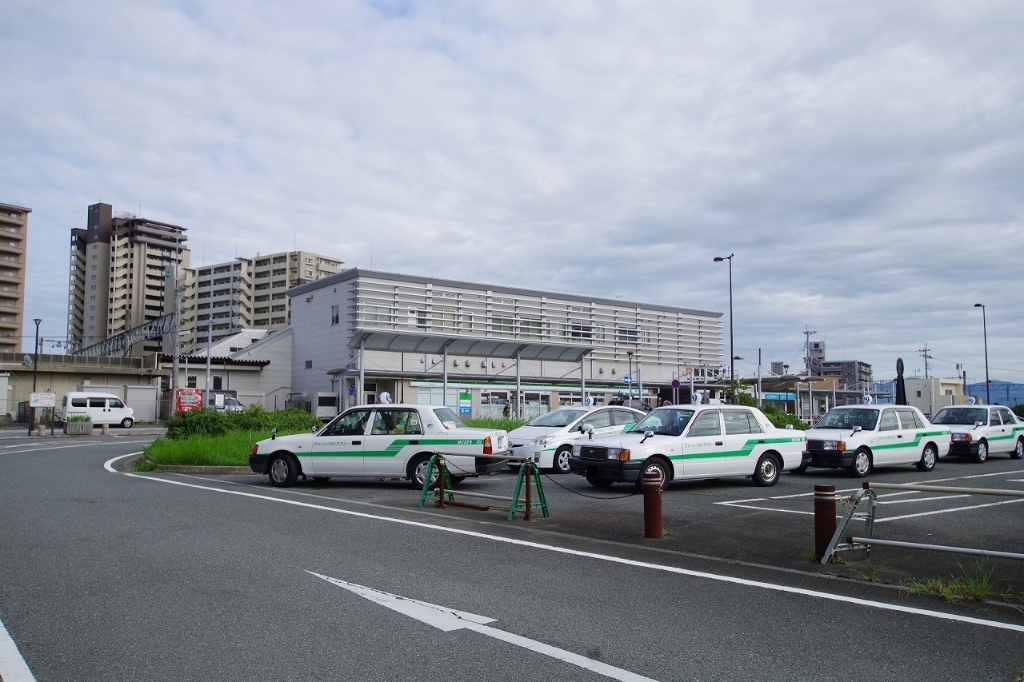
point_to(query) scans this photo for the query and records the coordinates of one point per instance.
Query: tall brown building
(13, 233)
(124, 270)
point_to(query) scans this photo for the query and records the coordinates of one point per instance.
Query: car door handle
(761, 441)
(357, 442)
(718, 442)
(414, 442)
(899, 435)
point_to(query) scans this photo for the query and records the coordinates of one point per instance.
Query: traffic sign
(42, 399)
(627, 379)
(675, 383)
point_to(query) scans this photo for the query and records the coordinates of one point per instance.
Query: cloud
(863, 161)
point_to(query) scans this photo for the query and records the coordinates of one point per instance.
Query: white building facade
(480, 347)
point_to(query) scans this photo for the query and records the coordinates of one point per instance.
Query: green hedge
(253, 418)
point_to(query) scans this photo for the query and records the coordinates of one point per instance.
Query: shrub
(252, 418)
(79, 418)
(196, 422)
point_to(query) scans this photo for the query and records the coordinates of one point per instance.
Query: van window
(97, 402)
(78, 402)
(114, 402)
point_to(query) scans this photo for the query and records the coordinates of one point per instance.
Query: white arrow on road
(447, 619)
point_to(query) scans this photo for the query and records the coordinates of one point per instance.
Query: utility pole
(924, 354)
(807, 349)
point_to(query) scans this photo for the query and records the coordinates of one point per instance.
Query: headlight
(961, 437)
(576, 450)
(621, 454)
(542, 441)
(837, 445)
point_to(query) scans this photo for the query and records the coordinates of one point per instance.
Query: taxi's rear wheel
(861, 466)
(928, 458)
(1018, 452)
(418, 471)
(283, 470)
(767, 471)
(982, 454)
(561, 463)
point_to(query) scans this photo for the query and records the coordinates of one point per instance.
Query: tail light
(255, 449)
(488, 446)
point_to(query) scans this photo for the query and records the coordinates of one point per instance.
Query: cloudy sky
(864, 161)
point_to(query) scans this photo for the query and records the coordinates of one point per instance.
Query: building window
(309, 273)
(335, 314)
(309, 364)
(190, 381)
(218, 383)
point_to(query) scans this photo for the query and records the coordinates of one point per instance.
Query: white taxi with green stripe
(859, 438)
(382, 441)
(690, 442)
(549, 438)
(978, 431)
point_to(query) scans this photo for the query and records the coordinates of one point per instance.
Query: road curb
(182, 469)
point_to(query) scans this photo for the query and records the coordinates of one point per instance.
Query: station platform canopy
(405, 342)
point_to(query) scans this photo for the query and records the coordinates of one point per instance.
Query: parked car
(101, 408)
(691, 442)
(860, 437)
(231, 405)
(548, 439)
(382, 441)
(978, 431)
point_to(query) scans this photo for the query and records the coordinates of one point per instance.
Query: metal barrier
(528, 478)
(865, 542)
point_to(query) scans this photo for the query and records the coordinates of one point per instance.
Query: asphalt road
(112, 576)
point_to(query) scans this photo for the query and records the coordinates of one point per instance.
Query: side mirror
(273, 433)
(647, 434)
(858, 428)
(587, 429)
(313, 429)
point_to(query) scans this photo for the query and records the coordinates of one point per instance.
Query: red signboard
(188, 399)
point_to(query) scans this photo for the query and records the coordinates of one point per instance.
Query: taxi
(698, 441)
(980, 430)
(382, 441)
(548, 439)
(860, 437)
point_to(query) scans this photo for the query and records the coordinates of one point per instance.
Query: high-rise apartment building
(249, 293)
(13, 233)
(125, 271)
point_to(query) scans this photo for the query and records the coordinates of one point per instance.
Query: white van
(101, 408)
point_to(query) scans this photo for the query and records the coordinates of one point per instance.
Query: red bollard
(652, 504)
(824, 518)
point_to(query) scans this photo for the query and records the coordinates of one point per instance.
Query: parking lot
(730, 520)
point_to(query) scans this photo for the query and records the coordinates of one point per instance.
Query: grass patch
(975, 582)
(493, 423)
(229, 449)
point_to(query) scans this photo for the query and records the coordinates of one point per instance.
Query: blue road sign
(627, 379)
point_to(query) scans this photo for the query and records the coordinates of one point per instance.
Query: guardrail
(865, 542)
(528, 480)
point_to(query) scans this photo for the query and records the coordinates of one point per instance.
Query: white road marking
(13, 667)
(449, 620)
(884, 499)
(108, 465)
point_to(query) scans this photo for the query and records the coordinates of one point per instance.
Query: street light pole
(984, 327)
(732, 348)
(35, 374)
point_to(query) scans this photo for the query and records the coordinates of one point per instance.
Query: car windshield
(840, 418)
(961, 415)
(558, 418)
(667, 421)
(448, 417)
